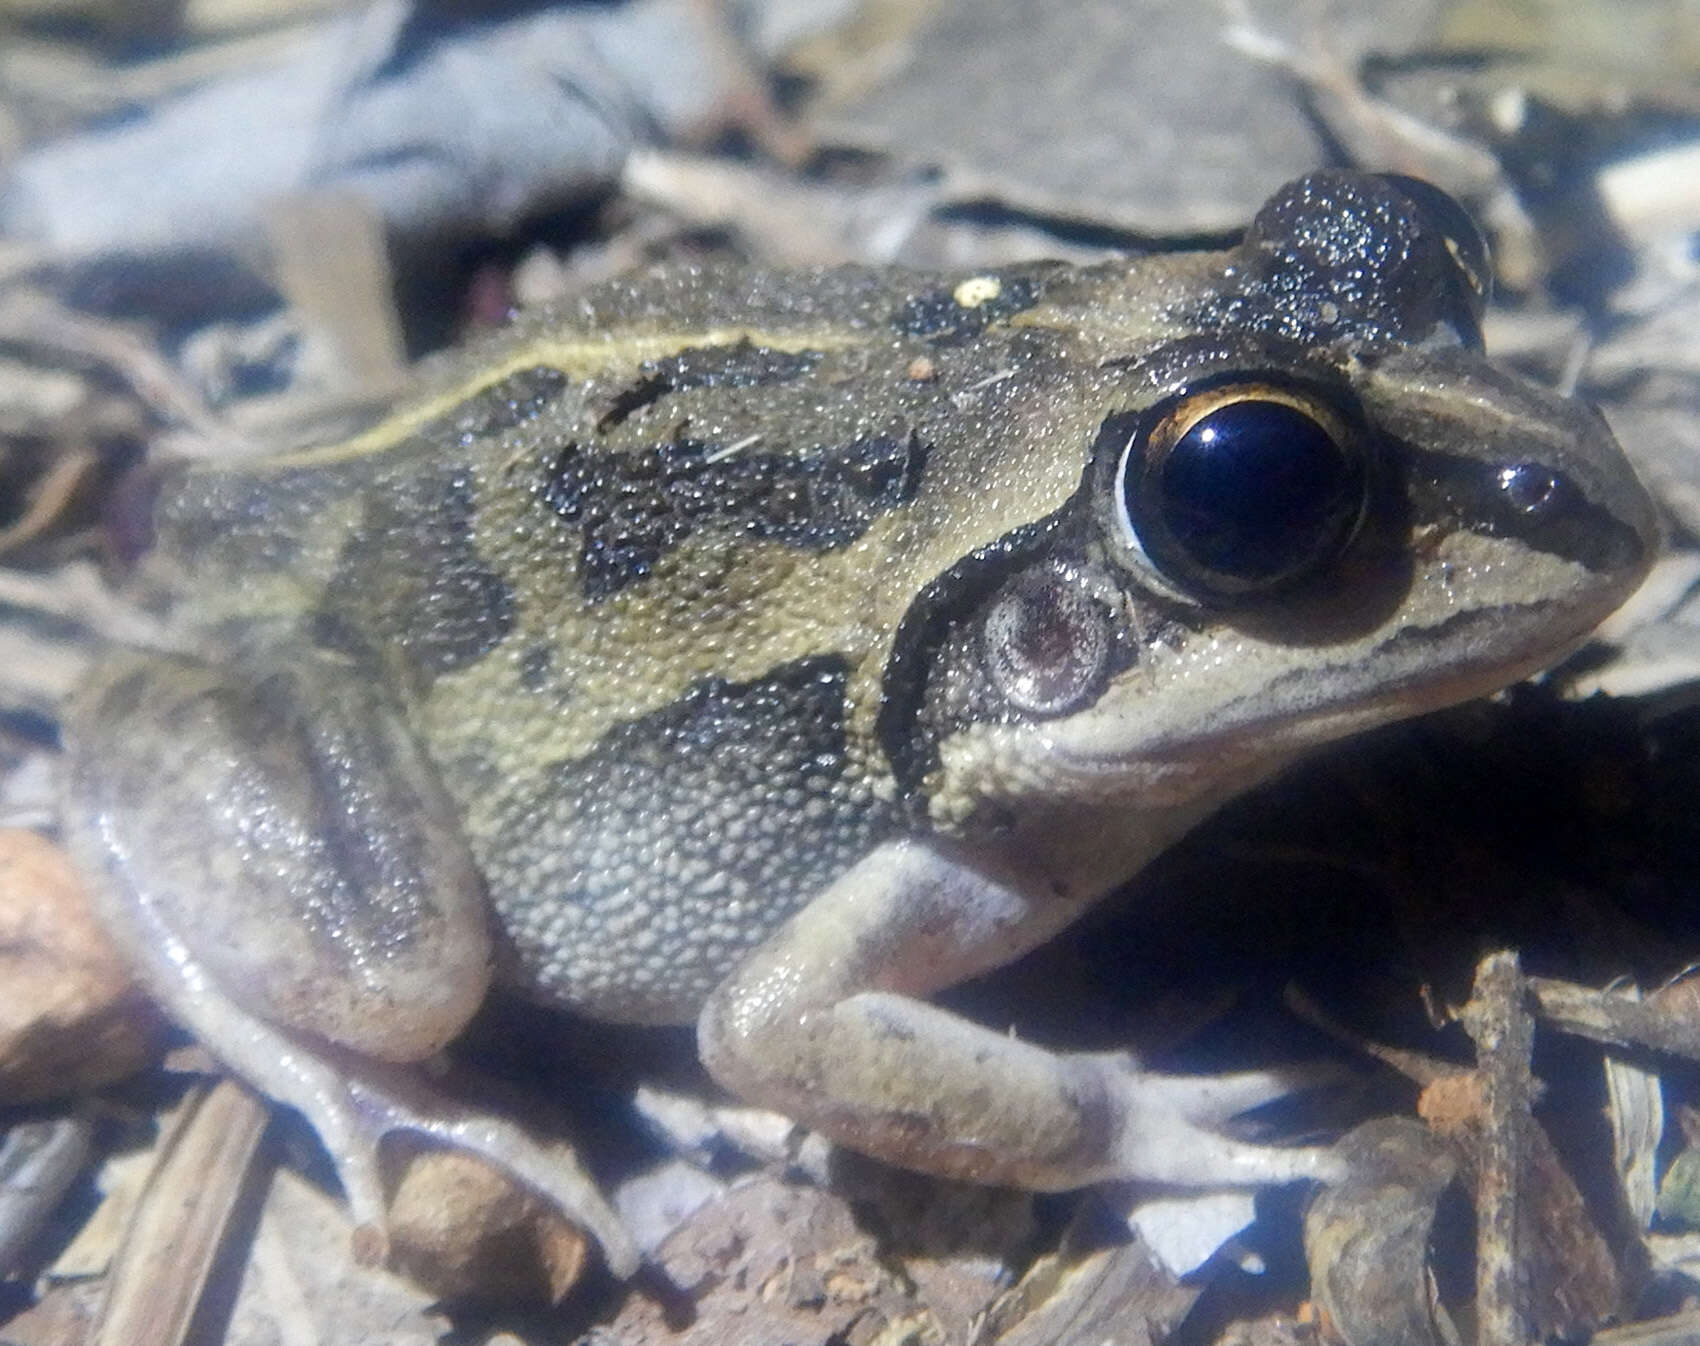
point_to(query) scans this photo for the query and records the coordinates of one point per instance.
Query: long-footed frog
(770, 650)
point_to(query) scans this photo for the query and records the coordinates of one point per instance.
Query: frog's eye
(1045, 642)
(1242, 488)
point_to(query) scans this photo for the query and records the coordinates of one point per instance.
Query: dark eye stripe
(930, 622)
(1527, 502)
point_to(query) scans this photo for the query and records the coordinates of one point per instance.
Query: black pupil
(1257, 491)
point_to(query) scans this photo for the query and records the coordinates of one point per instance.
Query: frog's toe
(1213, 1099)
(356, 1107)
(1169, 1130)
(381, 1108)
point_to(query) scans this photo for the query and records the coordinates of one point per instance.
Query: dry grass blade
(49, 499)
(156, 1281)
(33, 319)
(333, 264)
(1680, 1329)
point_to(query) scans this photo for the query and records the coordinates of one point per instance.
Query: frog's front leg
(285, 869)
(823, 1023)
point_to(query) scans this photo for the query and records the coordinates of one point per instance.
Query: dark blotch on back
(631, 509)
(742, 365)
(410, 576)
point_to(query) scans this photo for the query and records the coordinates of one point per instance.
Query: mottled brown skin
(773, 649)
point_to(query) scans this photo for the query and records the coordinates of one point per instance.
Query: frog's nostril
(1529, 488)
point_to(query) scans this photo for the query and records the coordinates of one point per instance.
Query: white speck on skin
(977, 290)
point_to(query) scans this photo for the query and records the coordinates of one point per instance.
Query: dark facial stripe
(1533, 504)
(934, 619)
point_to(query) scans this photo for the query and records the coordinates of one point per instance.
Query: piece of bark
(1367, 1238)
(158, 1278)
(1667, 1020)
(72, 1018)
(1117, 1296)
(769, 1263)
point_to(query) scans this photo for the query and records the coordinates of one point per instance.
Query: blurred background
(232, 225)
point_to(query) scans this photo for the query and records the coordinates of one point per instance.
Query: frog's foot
(356, 1105)
(396, 1105)
(1169, 1127)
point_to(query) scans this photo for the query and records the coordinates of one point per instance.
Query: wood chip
(72, 1018)
(175, 1234)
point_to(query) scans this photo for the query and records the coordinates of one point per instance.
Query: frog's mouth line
(1287, 715)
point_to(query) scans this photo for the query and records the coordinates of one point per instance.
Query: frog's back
(766, 400)
(637, 578)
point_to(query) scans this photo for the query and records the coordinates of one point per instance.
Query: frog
(772, 650)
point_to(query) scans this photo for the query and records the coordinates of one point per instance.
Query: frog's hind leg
(282, 864)
(823, 1023)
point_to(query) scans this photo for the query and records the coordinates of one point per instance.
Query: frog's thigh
(273, 841)
(821, 1024)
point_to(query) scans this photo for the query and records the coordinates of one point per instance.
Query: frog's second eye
(1242, 488)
